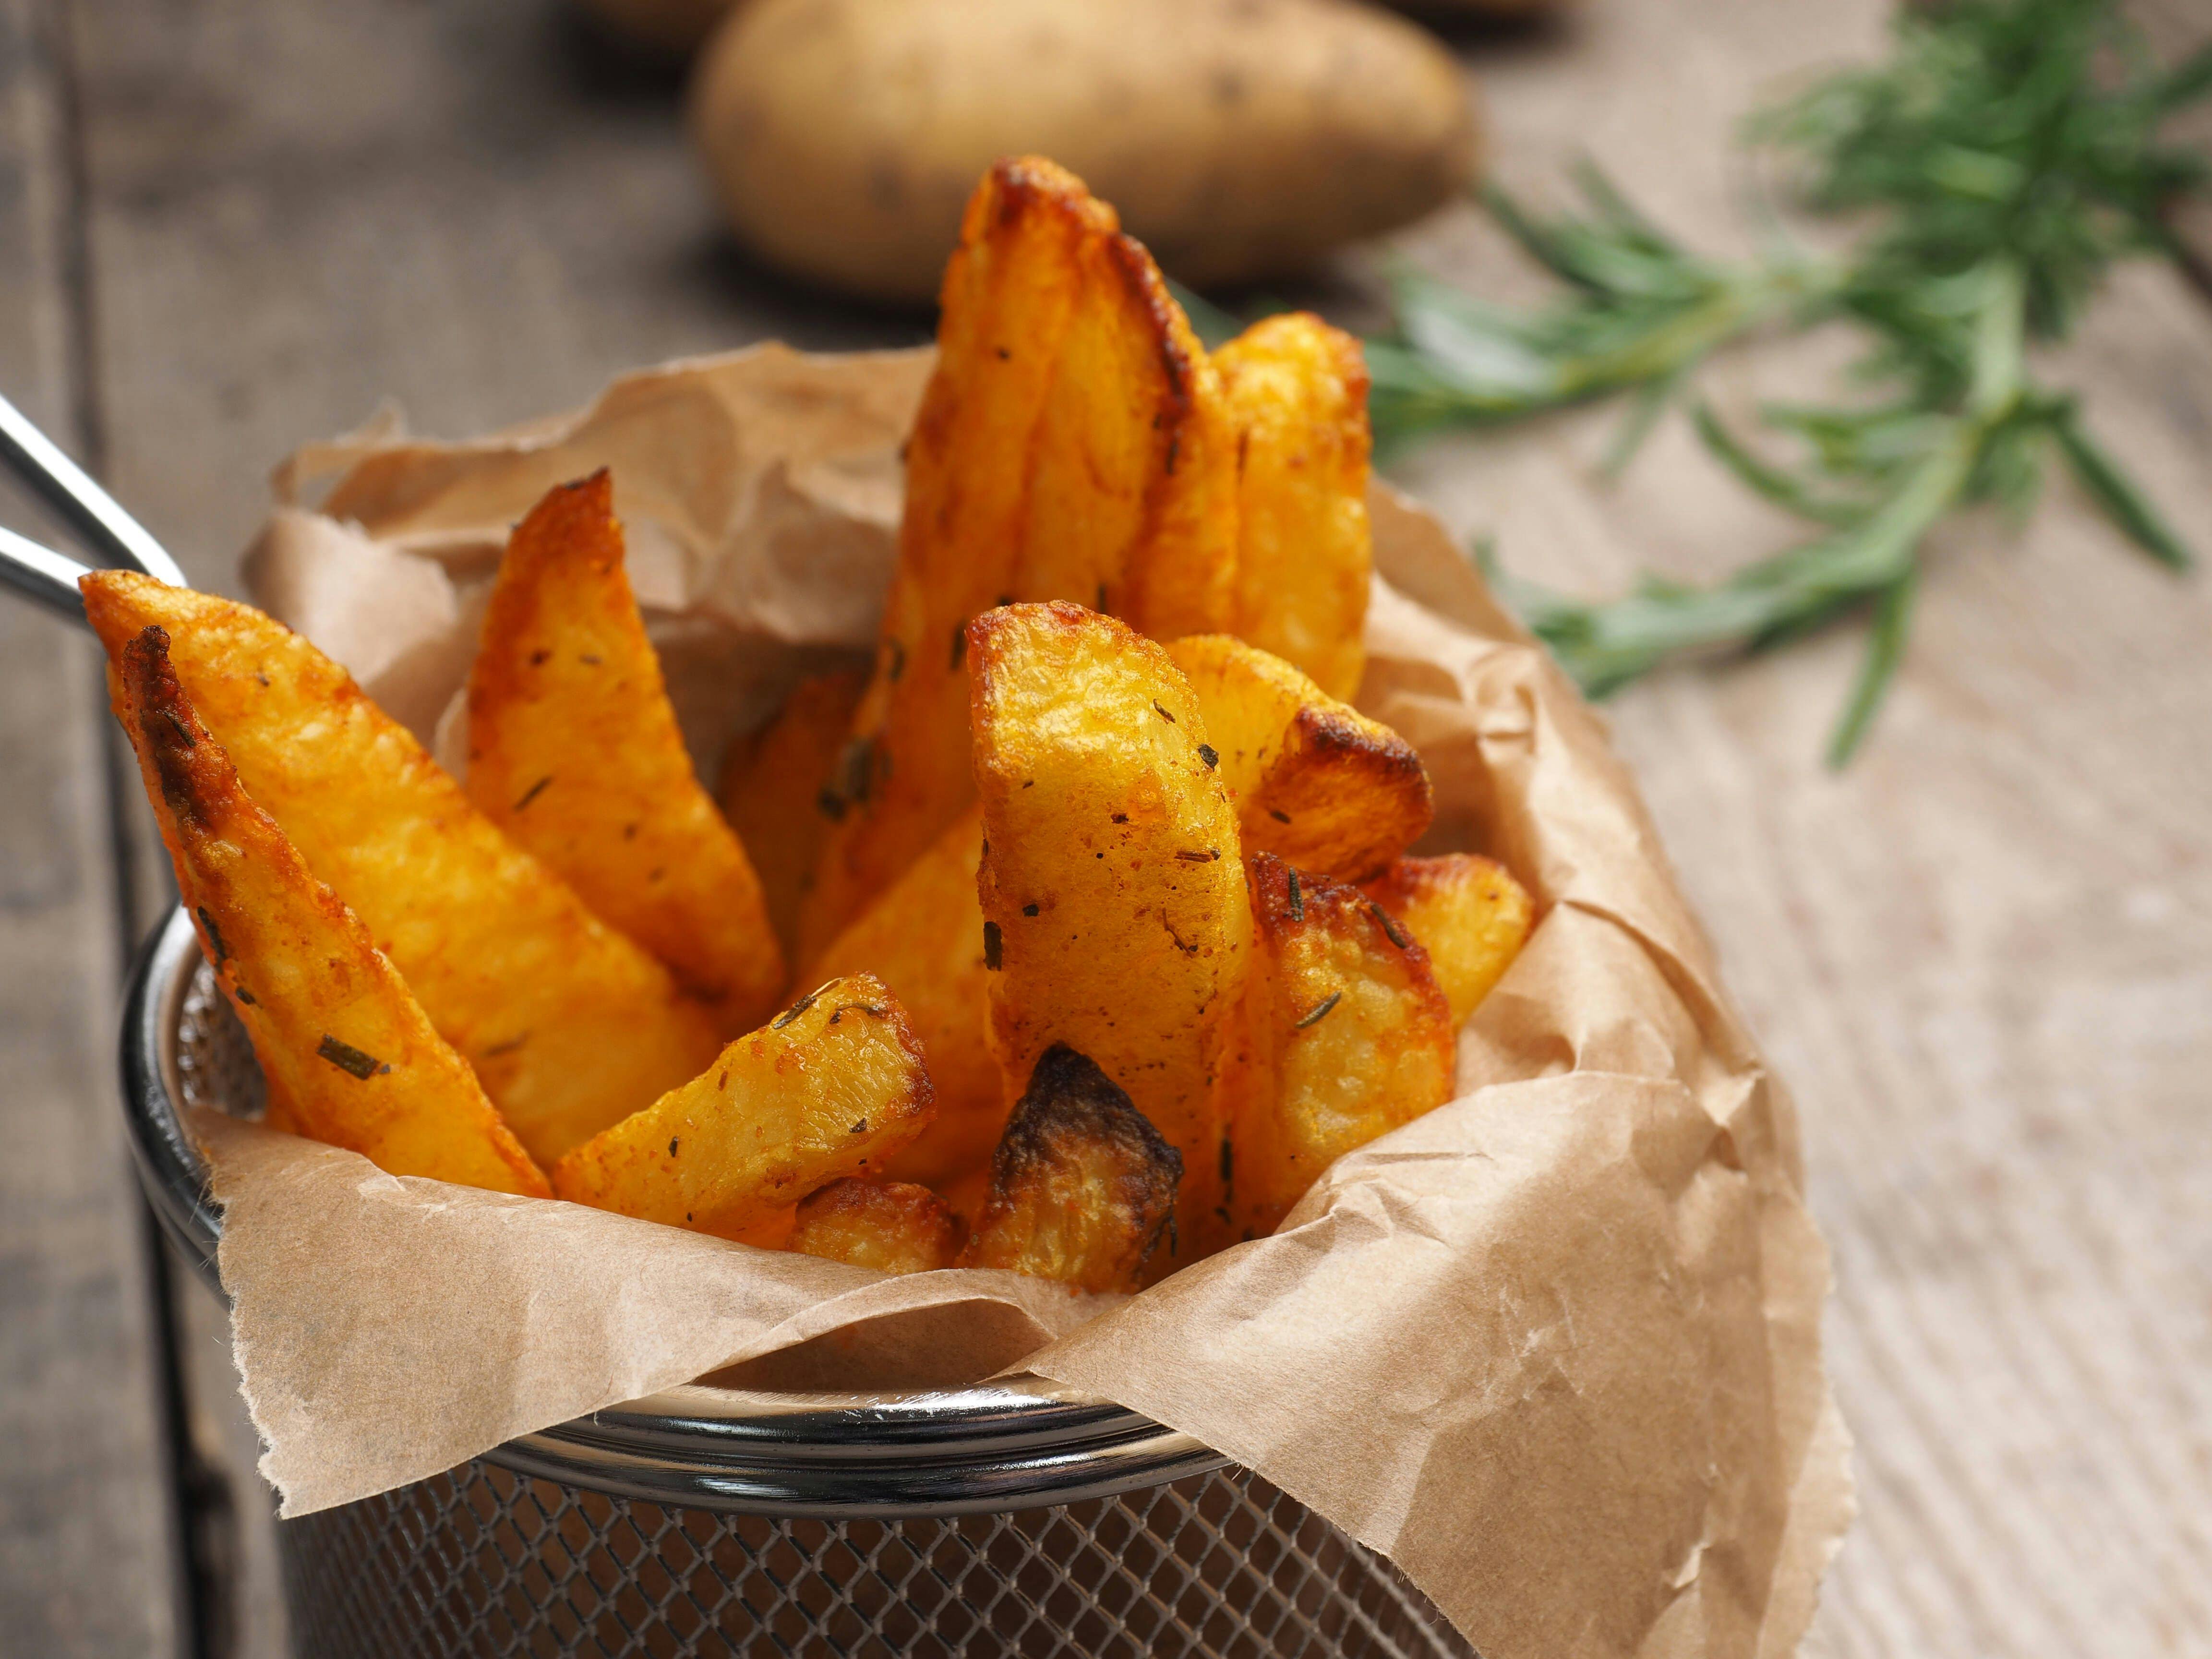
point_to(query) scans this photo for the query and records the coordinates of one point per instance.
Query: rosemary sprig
(2009, 150)
(1641, 314)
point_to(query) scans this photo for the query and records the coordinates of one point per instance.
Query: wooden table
(1980, 955)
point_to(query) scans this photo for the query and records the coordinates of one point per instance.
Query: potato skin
(830, 1087)
(1239, 138)
(1083, 1187)
(574, 751)
(1111, 878)
(1315, 783)
(1467, 912)
(923, 937)
(1297, 395)
(348, 1055)
(1345, 1035)
(778, 790)
(1072, 444)
(569, 1025)
(892, 1226)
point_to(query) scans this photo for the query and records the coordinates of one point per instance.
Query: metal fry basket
(995, 1520)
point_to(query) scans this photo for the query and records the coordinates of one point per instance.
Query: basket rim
(1015, 1443)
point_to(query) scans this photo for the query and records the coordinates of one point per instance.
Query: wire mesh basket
(1018, 1519)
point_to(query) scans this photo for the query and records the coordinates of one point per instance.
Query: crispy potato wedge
(1083, 1187)
(574, 751)
(777, 790)
(830, 1087)
(349, 1056)
(1132, 501)
(569, 1026)
(966, 1194)
(892, 1226)
(1467, 912)
(1297, 394)
(1113, 896)
(923, 937)
(1072, 444)
(1347, 1036)
(1316, 783)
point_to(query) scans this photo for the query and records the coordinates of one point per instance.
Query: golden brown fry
(1347, 1036)
(831, 1086)
(574, 751)
(569, 1026)
(1468, 914)
(1082, 1186)
(1132, 503)
(348, 1055)
(1297, 394)
(1316, 783)
(1009, 290)
(1072, 445)
(923, 937)
(777, 790)
(1113, 896)
(892, 1226)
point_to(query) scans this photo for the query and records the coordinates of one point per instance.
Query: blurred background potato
(1238, 139)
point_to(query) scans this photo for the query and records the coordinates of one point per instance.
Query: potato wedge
(830, 1087)
(1132, 501)
(1114, 905)
(349, 1056)
(1073, 444)
(923, 937)
(892, 1226)
(574, 751)
(1296, 396)
(569, 1026)
(777, 791)
(1347, 1037)
(1083, 1187)
(1467, 912)
(1316, 783)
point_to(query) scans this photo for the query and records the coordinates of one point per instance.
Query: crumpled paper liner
(1554, 1348)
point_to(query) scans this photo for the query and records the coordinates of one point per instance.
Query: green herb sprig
(2008, 153)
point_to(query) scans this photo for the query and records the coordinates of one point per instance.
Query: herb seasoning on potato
(1111, 867)
(574, 751)
(569, 1026)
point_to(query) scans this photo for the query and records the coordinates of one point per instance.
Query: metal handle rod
(89, 510)
(42, 575)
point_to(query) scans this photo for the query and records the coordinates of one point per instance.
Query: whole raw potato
(1238, 138)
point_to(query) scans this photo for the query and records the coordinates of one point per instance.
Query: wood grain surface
(1979, 957)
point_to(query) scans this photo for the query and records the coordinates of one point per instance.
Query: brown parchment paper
(1553, 1347)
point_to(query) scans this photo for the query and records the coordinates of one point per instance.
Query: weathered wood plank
(86, 1548)
(1976, 956)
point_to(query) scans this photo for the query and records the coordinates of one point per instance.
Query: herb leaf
(2127, 506)
(2005, 157)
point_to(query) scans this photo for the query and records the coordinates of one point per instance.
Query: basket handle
(40, 573)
